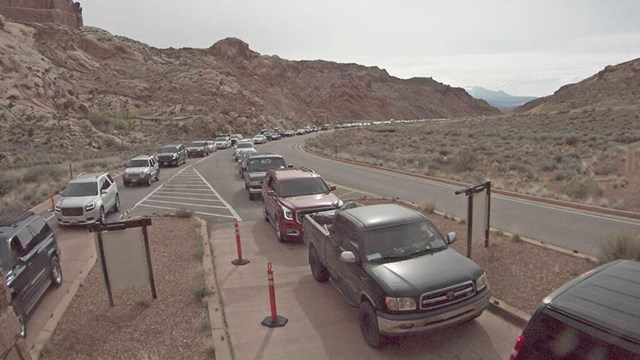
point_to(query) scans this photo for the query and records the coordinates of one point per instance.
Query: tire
(319, 271)
(157, 175)
(56, 272)
(103, 216)
(251, 197)
(125, 183)
(369, 325)
(116, 206)
(264, 213)
(149, 180)
(278, 232)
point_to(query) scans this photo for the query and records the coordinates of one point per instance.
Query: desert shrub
(606, 168)
(522, 169)
(580, 187)
(571, 140)
(201, 292)
(98, 119)
(183, 213)
(122, 124)
(465, 160)
(547, 165)
(561, 175)
(140, 112)
(429, 207)
(7, 183)
(620, 247)
(43, 173)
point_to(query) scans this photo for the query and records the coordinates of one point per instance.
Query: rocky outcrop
(62, 12)
(615, 86)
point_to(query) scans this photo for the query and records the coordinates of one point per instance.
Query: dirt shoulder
(173, 326)
(519, 273)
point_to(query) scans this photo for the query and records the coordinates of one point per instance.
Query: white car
(87, 199)
(259, 139)
(222, 142)
(242, 146)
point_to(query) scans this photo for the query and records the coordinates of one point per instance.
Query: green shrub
(580, 187)
(606, 168)
(7, 183)
(620, 247)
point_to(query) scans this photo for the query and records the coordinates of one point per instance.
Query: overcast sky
(521, 47)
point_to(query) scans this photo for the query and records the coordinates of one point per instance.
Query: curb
(219, 332)
(52, 323)
(508, 312)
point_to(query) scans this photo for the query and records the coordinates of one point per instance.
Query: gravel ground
(173, 326)
(519, 273)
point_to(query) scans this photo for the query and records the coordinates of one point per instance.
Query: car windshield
(244, 145)
(402, 241)
(168, 149)
(258, 136)
(138, 163)
(221, 138)
(264, 164)
(198, 144)
(301, 187)
(80, 189)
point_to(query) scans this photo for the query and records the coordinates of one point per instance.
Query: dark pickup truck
(392, 263)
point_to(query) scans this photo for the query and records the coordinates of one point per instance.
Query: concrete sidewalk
(321, 324)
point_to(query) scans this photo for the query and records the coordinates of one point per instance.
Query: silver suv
(87, 199)
(142, 169)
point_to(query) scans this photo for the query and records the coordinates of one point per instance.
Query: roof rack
(11, 218)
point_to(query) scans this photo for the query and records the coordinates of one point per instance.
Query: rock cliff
(63, 12)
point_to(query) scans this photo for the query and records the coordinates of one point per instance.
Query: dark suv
(595, 316)
(257, 166)
(30, 260)
(172, 155)
(289, 194)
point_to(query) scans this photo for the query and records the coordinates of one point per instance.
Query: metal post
(469, 223)
(152, 281)
(103, 261)
(486, 230)
(70, 171)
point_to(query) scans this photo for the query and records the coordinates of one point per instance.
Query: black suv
(595, 316)
(172, 154)
(30, 260)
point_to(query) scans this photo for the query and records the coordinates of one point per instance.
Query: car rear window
(198, 144)
(168, 149)
(138, 163)
(244, 145)
(550, 338)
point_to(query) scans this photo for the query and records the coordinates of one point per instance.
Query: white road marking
(185, 193)
(181, 203)
(49, 218)
(185, 198)
(235, 214)
(195, 212)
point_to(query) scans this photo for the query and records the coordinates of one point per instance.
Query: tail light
(516, 348)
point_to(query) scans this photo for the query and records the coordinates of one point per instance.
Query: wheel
(251, 197)
(369, 325)
(157, 174)
(265, 215)
(278, 232)
(246, 186)
(56, 272)
(319, 272)
(116, 206)
(23, 325)
(125, 183)
(103, 217)
(149, 179)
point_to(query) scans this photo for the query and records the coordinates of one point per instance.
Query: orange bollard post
(274, 320)
(239, 260)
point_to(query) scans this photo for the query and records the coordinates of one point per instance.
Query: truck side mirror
(332, 187)
(347, 257)
(451, 237)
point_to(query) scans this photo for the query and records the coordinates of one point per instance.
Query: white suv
(87, 199)
(142, 169)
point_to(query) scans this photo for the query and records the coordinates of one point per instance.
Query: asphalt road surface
(568, 228)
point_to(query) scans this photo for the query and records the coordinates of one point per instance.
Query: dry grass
(588, 156)
(620, 247)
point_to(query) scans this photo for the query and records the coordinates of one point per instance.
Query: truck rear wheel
(319, 272)
(369, 325)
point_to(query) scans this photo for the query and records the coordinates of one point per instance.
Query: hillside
(66, 89)
(616, 86)
(499, 99)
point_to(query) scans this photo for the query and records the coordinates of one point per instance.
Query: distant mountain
(615, 86)
(499, 99)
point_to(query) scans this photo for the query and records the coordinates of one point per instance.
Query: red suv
(289, 194)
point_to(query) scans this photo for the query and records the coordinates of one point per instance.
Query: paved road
(564, 227)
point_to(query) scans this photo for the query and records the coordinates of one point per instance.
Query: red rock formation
(63, 12)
